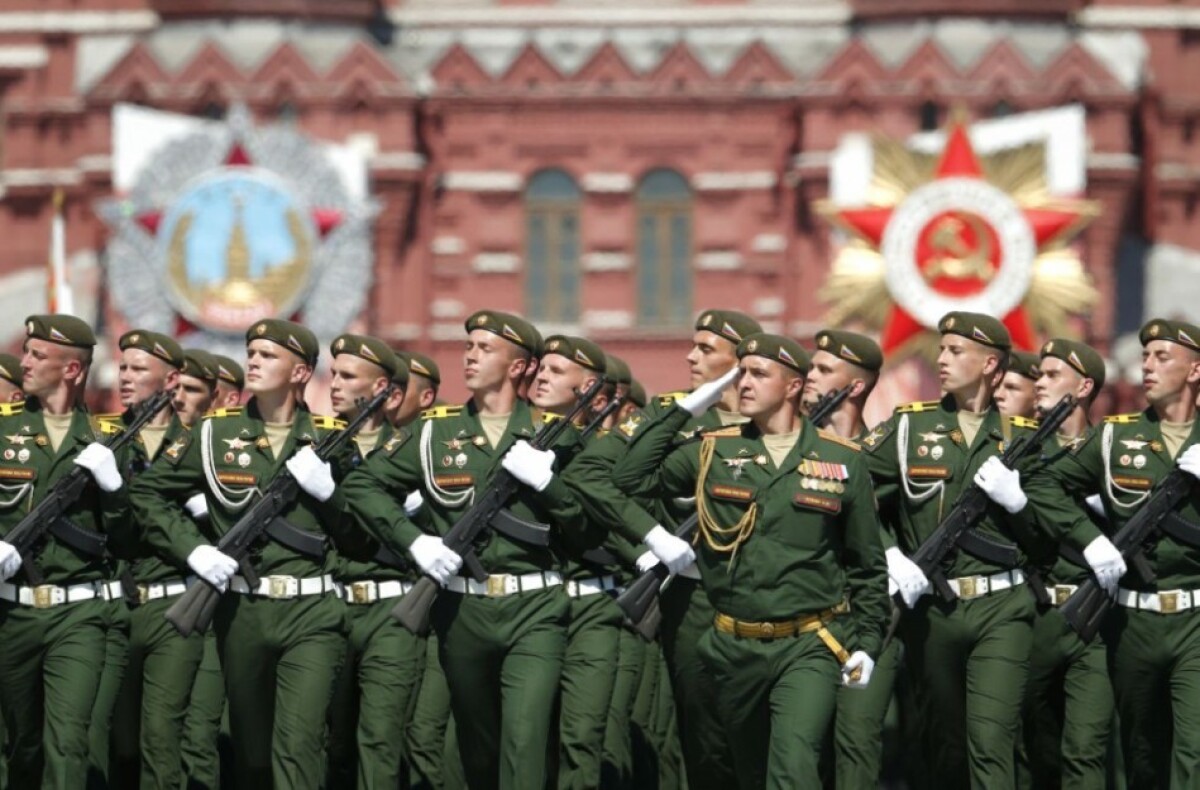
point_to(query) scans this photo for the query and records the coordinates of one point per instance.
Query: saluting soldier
(1068, 716)
(1015, 396)
(280, 642)
(787, 526)
(10, 379)
(500, 642)
(53, 634)
(1152, 635)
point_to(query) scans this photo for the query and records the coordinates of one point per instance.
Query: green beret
(153, 343)
(66, 330)
(229, 371)
(1086, 361)
(1025, 363)
(10, 370)
(781, 349)
(729, 324)
(508, 326)
(616, 370)
(295, 338)
(372, 349)
(1180, 332)
(422, 366)
(577, 349)
(856, 349)
(199, 364)
(637, 394)
(978, 327)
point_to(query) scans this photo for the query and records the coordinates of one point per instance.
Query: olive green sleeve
(650, 468)
(1054, 494)
(156, 497)
(376, 491)
(590, 477)
(864, 563)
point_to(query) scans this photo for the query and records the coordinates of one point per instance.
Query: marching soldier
(231, 379)
(280, 642)
(54, 633)
(1152, 635)
(500, 642)
(424, 379)
(787, 525)
(197, 386)
(1015, 396)
(1068, 714)
(10, 379)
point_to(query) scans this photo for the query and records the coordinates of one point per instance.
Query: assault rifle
(193, 611)
(412, 611)
(48, 516)
(635, 602)
(1085, 609)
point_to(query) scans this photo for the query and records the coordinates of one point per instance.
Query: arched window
(664, 249)
(552, 248)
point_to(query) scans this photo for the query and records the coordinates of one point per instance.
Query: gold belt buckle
(143, 593)
(497, 585)
(43, 596)
(1061, 593)
(766, 630)
(1168, 602)
(277, 587)
(360, 592)
(966, 587)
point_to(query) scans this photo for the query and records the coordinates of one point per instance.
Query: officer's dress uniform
(779, 547)
(501, 642)
(53, 635)
(281, 643)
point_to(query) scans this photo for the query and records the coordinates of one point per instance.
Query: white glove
(100, 461)
(864, 665)
(534, 468)
(910, 581)
(434, 559)
(646, 562)
(215, 567)
(1095, 504)
(675, 553)
(10, 561)
(1189, 461)
(1001, 484)
(313, 474)
(413, 503)
(1106, 562)
(196, 506)
(707, 395)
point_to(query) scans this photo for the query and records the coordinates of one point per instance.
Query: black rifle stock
(193, 610)
(636, 601)
(27, 536)
(1085, 610)
(412, 611)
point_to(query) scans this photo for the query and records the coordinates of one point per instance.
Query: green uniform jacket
(29, 468)
(365, 564)
(1044, 553)
(1137, 460)
(228, 457)
(920, 479)
(450, 461)
(815, 534)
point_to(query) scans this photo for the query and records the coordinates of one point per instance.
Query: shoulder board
(438, 412)
(108, 424)
(1123, 419)
(111, 417)
(548, 418)
(328, 423)
(1023, 422)
(394, 443)
(830, 436)
(731, 430)
(669, 398)
(12, 409)
(227, 411)
(918, 406)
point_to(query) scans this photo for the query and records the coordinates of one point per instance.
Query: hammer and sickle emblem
(954, 256)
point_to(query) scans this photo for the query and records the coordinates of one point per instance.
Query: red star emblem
(958, 251)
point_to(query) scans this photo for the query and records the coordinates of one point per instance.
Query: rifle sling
(1182, 530)
(600, 556)
(988, 549)
(310, 544)
(82, 540)
(512, 526)
(385, 556)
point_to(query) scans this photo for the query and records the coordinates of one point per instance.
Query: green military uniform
(501, 642)
(10, 371)
(779, 546)
(967, 659)
(54, 634)
(1153, 633)
(281, 643)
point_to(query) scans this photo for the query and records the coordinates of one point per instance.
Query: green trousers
(116, 652)
(147, 731)
(50, 666)
(672, 772)
(1154, 663)
(432, 737)
(777, 698)
(1068, 715)
(589, 673)
(858, 725)
(279, 659)
(374, 699)
(503, 660)
(202, 721)
(616, 770)
(642, 733)
(967, 663)
(686, 616)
